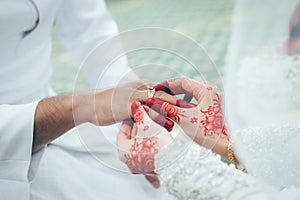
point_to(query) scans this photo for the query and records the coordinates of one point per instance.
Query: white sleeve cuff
(17, 161)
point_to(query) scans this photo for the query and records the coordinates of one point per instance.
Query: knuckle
(158, 94)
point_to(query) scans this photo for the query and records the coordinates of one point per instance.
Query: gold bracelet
(230, 154)
(232, 158)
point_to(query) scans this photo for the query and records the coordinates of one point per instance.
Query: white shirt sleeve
(17, 161)
(83, 25)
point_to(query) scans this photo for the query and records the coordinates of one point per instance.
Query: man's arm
(56, 115)
(53, 117)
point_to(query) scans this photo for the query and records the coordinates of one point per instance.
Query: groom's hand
(56, 115)
(106, 107)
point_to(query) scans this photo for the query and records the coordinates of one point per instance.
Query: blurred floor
(207, 22)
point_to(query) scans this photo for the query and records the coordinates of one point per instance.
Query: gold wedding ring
(151, 92)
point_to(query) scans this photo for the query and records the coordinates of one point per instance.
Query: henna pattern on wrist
(140, 160)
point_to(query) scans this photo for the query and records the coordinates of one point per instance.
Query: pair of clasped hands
(143, 136)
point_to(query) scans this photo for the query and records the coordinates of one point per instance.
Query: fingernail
(135, 106)
(169, 124)
(164, 122)
(156, 184)
(169, 129)
(150, 102)
(164, 86)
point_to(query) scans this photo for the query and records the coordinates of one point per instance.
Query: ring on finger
(151, 92)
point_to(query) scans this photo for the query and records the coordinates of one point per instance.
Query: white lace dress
(200, 174)
(269, 151)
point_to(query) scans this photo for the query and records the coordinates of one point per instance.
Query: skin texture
(204, 123)
(56, 115)
(139, 141)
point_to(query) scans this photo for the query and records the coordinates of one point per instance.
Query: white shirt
(64, 169)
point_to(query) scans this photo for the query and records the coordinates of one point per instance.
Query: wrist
(93, 107)
(231, 157)
(217, 143)
(83, 108)
(53, 117)
(55, 108)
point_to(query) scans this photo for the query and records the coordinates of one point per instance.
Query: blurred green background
(206, 21)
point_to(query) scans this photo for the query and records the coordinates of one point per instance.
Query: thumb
(138, 112)
(141, 119)
(124, 133)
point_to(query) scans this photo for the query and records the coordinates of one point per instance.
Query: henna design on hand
(194, 120)
(138, 115)
(213, 121)
(140, 160)
(172, 111)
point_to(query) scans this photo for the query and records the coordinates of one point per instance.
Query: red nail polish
(150, 102)
(164, 86)
(135, 106)
(169, 124)
(183, 104)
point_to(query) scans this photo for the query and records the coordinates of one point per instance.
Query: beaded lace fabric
(200, 174)
(268, 88)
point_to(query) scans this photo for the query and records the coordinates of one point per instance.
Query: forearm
(53, 117)
(56, 115)
(217, 145)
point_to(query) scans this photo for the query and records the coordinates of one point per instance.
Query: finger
(174, 86)
(137, 111)
(142, 120)
(164, 86)
(165, 96)
(153, 179)
(160, 119)
(184, 104)
(156, 104)
(183, 85)
(121, 138)
(188, 97)
(142, 91)
(124, 141)
(126, 128)
(124, 134)
(134, 131)
(164, 108)
(173, 100)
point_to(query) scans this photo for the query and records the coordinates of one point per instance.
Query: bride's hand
(139, 141)
(204, 123)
